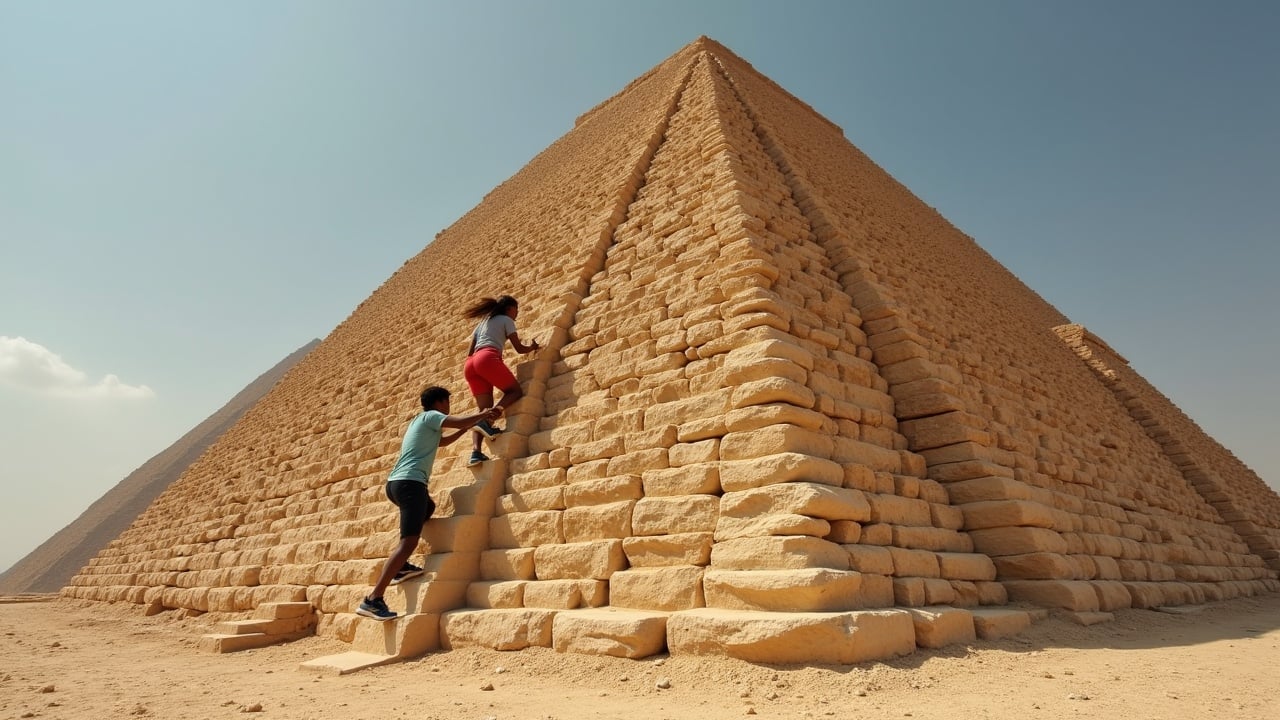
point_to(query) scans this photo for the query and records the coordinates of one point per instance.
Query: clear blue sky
(191, 191)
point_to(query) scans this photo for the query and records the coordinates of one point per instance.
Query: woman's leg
(509, 397)
(483, 402)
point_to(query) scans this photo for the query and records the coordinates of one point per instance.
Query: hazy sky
(191, 191)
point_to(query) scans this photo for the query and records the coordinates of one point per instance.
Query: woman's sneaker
(408, 570)
(375, 608)
(477, 457)
(486, 429)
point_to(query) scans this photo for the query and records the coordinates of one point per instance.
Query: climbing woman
(485, 370)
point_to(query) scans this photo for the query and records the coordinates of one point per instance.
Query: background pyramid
(780, 397)
(51, 565)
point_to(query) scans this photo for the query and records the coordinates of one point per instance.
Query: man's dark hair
(433, 395)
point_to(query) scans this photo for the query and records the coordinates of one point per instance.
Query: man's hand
(493, 413)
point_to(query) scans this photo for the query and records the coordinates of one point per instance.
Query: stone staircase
(271, 623)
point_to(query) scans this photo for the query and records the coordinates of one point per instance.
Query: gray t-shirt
(493, 332)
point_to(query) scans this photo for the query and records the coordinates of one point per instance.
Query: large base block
(938, 626)
(607, 631)
(1066, 594)
(994, 623)
(497, 629)
(782, 637)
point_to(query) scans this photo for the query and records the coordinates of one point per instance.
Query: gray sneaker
(375, 608)
(486, 429)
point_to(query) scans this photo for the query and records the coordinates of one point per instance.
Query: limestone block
(966, 566)
(843, 532)
(1003, 513)
(553, 594)
(753, 417)
(526, 529)
(536, 480)
(1036, 566)
(941, 430)
(940, 626)
(783, 467)
(603, 490)
(805, 590)
(870, 559)
(598, 522)
(914, 563)
(772, 390)
(1017, 540)
(773, 637)
(406, 636)
(606, 631)
(946, 516)
(992, 593)
(1067, 594)
(496, 594)
(729, 528)
(909, 592)
(699, 478)
(1112, 595)
(667, 550)
(635, 463)
(897, 510)
(507, 564)
(752, 444)
(849, 451)
(597, 560)
(778, 553)
(931, 538)
(675, 515)
(690, 453)
(497, 629)
(993, 624)
(740, 359)
(801, 498)
(938, 591)
(657, 588)
(713, 404)
(551, 498)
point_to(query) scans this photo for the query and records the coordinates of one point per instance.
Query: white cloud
(31, 366)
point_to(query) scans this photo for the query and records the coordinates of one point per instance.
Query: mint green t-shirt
(418, 449)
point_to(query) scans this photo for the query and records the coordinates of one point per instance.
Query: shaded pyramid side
(51, 565)
(1241, 497)
(1056, 481)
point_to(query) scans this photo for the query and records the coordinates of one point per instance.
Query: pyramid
(785, 412)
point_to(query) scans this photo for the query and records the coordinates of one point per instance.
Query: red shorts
(485, 371)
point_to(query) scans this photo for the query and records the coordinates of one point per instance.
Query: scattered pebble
(1048, 675)
(139, 710)
(659, 662)
(255, 707)
(751, 711)
(487, 686)
(47, 689)
(664, 683)
(499, 670)
(771, 695)
(624, 678)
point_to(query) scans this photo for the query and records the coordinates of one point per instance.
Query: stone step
(223, 643)
(282, 626)
(378, 642)
(282, 610)
(997, 623)
(347, 662)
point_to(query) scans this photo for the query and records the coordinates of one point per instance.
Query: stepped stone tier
(785, 411)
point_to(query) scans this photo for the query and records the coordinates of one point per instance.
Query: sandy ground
(66, 659)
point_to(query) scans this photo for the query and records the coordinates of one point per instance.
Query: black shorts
(414, 503)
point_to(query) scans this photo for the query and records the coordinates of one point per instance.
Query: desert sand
(74, 660)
